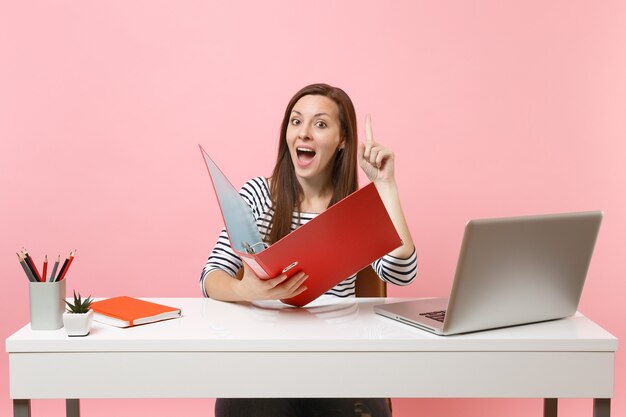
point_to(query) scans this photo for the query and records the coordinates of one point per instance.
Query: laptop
(510, 271)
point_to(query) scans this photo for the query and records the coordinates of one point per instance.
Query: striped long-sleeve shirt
(256, 193)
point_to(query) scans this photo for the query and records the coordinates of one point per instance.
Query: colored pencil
(27, 270)
(54, 269)
(31, 264)
(45, 269)
(62, 270)
(71, 258)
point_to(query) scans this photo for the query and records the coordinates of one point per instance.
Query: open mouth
(305, 155)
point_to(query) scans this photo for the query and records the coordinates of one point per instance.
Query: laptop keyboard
(435, 315)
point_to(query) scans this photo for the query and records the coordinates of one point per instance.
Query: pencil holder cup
(47, 304)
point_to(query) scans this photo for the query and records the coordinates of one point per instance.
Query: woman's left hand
(375, 160)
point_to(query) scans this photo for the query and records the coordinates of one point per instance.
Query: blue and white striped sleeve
(222, 258)
(397, 271)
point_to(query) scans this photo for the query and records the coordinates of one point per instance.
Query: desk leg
(72, 408)
(21, 408)
(550, 407)
(601, 407)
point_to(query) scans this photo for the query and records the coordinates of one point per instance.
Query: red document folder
(337, 243)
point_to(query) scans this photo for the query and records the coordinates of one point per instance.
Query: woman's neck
(316, 195)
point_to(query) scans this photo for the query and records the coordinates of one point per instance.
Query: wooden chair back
(368, 284)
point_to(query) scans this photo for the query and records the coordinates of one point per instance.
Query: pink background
(493, 108)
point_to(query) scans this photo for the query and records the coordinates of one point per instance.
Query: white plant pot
(77, 324)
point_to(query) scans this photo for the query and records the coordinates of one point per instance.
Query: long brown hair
(285, 189)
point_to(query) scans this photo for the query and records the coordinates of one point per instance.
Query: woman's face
(314, 136)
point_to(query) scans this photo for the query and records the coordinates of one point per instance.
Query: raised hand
(375, 160)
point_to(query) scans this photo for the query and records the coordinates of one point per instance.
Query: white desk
(269, 350)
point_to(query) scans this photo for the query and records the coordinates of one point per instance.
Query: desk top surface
(327, 324)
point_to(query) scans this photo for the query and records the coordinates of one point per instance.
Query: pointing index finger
(369, 136)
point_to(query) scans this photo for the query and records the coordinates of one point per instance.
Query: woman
(315, 168)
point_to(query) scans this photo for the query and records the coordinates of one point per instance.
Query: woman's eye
(320, 124)
(295, 122)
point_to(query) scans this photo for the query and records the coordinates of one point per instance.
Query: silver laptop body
(510, 271)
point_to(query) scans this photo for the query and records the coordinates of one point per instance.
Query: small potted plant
(78, 316)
